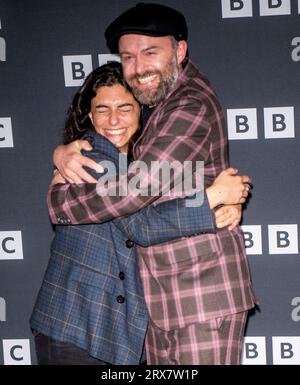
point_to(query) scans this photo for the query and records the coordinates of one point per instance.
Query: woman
(90, 308)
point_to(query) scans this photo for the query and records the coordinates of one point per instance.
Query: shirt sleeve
(167, 221)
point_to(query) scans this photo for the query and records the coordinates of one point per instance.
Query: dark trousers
(51, 352)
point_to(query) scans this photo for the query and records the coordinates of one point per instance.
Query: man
(198, 289)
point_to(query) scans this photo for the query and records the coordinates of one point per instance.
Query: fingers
(57, 154)
(245, 179)
(92, 164)
(82, 145)
(247, 187)
(228, 216)
(221, 213)
(222, 216)
(57, 178)
(72, 169)
(85, 176)
(246, 191)
(73, 177)
(80, 176)
(222, 224)
(230, 171)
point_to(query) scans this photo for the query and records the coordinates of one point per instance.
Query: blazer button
(129, 243)
(120, 299)
(121, 275)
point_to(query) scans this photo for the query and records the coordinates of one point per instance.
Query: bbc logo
(282, 239)
(244, 8)
(11, 245)
(16, 352)
(6, 136)
(76, 68)
(278, 123)
(254, 351)
(285, 351)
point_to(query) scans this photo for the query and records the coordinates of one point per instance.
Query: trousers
(215, 342)
(52, 352)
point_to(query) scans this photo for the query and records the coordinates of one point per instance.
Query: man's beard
(151, 97)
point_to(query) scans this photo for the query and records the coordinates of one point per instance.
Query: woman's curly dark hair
(78, 121)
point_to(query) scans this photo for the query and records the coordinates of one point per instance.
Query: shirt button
(121, 275)
(129, 243)
(120, 299)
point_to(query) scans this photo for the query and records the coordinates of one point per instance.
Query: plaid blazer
(188, 280)
(91, 293)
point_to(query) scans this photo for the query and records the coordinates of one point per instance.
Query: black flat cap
(147, 19)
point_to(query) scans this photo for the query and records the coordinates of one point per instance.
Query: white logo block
(254, 351)
(16, 352)
(6, 136)
(286, 350)
(283, 239)
(11, 245)
(242, 123)
(106, 58)
(279, 122)
(253, 239)
(236, 8)
(76, 69)
(274, 7)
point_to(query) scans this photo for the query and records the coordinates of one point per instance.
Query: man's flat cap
(147, 19)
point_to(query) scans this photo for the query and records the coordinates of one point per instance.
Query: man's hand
(69, 161)
(228, 188)
(57, 178)
(228, 216)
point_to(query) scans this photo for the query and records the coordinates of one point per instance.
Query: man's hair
(78, 121)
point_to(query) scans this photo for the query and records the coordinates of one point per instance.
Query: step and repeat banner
(250, 51)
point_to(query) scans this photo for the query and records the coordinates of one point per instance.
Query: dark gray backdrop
(253, 62)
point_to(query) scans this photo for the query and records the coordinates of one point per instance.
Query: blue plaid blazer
(91, 294)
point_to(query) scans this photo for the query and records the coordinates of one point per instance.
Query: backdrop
(250, 50)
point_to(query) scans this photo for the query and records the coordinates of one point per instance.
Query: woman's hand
(228, 216)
